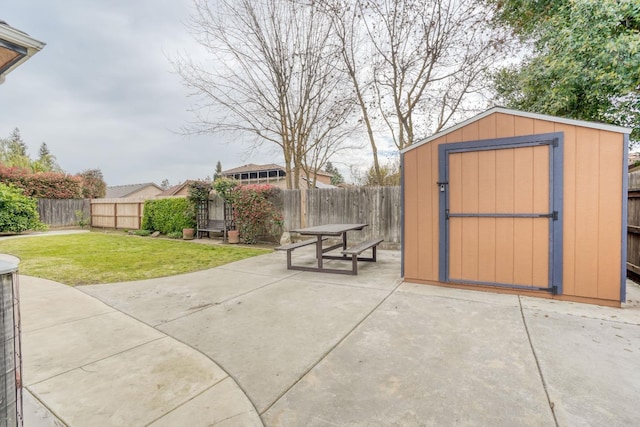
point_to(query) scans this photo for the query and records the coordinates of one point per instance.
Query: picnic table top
(329, 229)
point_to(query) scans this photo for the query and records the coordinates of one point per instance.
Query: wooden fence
(377, 206)
(117, 213)
(633, 227)
(62, 212)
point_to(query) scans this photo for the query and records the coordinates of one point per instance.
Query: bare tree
(414, 64)
(273, 76)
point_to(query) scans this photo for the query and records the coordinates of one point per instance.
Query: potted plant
(188, 233)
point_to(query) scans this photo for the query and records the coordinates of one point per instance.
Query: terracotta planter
(233, 236)
(188, 233)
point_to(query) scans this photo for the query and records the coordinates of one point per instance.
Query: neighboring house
(275, 175)
(147, 190)
(177, 190)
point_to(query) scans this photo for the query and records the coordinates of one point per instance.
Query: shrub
(142, 233)
(167, 215)
(44, 185)
(225, 188)
(82, 218)
(18, 212)
(175, 235)
(255, 213)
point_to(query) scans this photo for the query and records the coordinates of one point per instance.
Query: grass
(92, 258)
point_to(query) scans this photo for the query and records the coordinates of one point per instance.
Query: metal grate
(11, 363)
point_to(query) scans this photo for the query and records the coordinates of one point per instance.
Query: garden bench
(212, 226)
(356, 250)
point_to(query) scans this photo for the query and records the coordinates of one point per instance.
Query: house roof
(593, 125)
(323, 185)
(120, 191)
(252, 167)
(172, 191)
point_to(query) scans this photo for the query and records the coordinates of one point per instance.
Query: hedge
(44, 185)
(168, 215)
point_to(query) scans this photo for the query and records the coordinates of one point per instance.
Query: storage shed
(518, 202)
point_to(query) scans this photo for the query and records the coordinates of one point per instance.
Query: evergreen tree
(336, 176)
(13, 151)
(218, 173)
(46, 161)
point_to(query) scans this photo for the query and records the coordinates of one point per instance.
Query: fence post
(303, 208)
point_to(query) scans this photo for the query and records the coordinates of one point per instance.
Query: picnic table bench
(322, 233)
(358, 249)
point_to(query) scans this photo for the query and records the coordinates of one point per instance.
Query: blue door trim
(555, 141)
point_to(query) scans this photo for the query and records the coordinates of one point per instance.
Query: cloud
(102, 94)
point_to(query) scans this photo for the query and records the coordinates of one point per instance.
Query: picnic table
(322, 233)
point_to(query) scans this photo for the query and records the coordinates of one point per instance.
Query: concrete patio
(251, 343)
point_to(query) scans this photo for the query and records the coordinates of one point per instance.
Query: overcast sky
(102, 94)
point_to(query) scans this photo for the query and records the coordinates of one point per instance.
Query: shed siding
(592, 206)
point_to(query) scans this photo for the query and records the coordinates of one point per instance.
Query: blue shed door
(501, 212)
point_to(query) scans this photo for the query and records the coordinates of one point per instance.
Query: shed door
(502, 207)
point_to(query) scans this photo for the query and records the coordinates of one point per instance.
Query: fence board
(62, 212)
(117, 213)
(377, 206)
(633, 225)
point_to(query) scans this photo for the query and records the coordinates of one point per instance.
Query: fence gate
(501, 212)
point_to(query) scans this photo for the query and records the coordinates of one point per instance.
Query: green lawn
(96, 257)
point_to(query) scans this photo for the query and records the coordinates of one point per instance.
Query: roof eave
(574, 122)
(20, 39)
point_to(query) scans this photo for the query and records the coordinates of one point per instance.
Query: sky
(102, 93)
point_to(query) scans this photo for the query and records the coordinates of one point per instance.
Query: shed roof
(120, 191)
(593, 125)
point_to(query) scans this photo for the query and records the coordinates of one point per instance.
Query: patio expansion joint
(82, 367)
(535, 357)
(191, 399)
(66, 322)
(44, 405)
(332, 348)
(165, 335)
